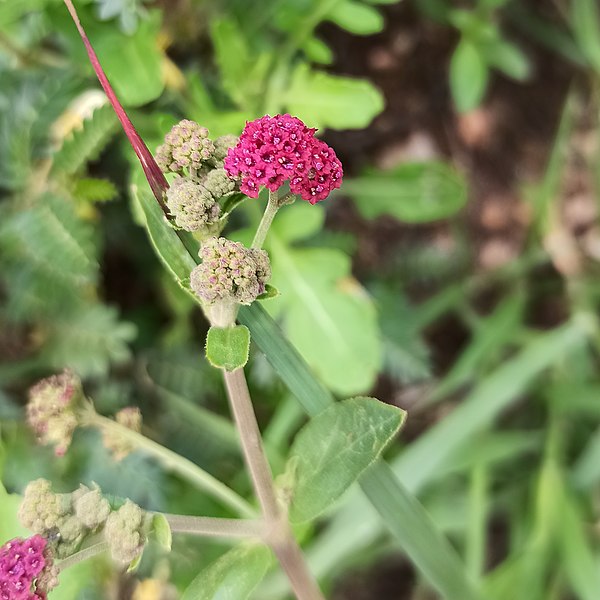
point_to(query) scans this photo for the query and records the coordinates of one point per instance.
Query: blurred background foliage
(454, 274)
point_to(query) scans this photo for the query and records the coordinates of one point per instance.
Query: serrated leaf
(85, 144)
(234, 576)
(89, 340)
(356, 17)
(468, 76)
(228, 347)
(413, 192)
(162, 531)
(325, 100)
(334, 448)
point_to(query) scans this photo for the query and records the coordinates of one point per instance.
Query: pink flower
(21, 564)
(272, 150)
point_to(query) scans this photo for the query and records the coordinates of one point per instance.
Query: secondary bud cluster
(230, 272)
(68, 519)
(192, 204)
(26, 569)
(129, 417)
(125, 531)
(51, 410)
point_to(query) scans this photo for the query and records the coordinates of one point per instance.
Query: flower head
(130, 417)
(125, 532)
(187, 146)
(51, 410)
(192, 205)
(272, 150)
(24, 566)
(230, 272)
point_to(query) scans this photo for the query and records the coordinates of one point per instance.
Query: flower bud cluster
(230, 272)
(26, 569)
(126, 531)
(192, 204)
(49, 514)
(187, 146)
(272, 150)
(130, 417)
(67, 519)
(51, 410)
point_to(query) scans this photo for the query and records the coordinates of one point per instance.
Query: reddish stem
(154, 175)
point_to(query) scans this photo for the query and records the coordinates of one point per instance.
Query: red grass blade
(154, 175)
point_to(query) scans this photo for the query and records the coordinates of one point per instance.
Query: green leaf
(334, 448)
(325, 100)
(270, 292)
(242, 74)
(85, 144)
(93, 190)
(88, 340)
(228, 347)
(318, 51)
(234, 576)
(508, 58)
(162, 531)
(468, 76)
(133, 64)
(413, 192)
(135, 563)
(298, 221)
(585, 18)
(327, 315)
(356, 17)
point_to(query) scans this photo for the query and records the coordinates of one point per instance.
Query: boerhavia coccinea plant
(209, 179)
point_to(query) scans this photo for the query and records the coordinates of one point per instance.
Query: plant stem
(173, 461)
(267, 218)
(280, 536)
(210, 526)
(82, 555)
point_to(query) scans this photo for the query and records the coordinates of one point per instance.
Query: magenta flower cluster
(21, 563)
(272, 150)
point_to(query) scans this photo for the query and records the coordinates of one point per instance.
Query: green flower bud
(125, 532)
(91, 508)
(222, 145)
(192, 205)
(230, 272)
(218, 183)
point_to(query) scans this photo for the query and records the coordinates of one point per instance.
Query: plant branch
(210, 526)
(82, 555)
(265, 223)
(279, 535)
(173, 461)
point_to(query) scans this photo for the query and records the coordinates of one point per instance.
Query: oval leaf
(233, 576)
(161, 531)
(227, 347)
(468, 76)
(413, 193)
(334, 448)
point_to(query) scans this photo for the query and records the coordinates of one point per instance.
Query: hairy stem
(279, 536)
(210, 526)
(82, 555)
(173, 461)
(265, 223)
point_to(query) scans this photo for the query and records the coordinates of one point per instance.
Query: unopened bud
(91, 508)
(186, 146)
(51, 410)
(192, 204)
(230, 272)
(125, 532)
(129, 417)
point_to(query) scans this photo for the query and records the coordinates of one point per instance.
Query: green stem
(279, 535)
(210, 526)
(82, 555)
(476, 531)
(267, 218)
(173, 461)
